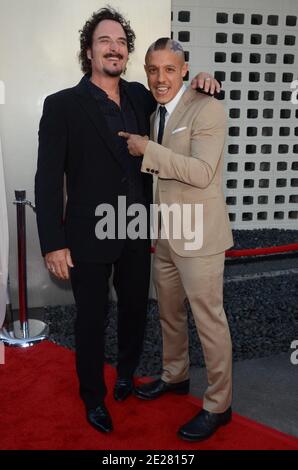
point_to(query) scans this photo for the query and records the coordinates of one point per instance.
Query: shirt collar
(171, 105)
(97, 92)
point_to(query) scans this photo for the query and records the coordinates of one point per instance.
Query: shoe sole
(125, 398)
(175, 392)
(198, 439)
(99, 429)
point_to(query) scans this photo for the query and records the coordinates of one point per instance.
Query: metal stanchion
(24, 332)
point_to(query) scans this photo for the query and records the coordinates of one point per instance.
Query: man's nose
(114, 47)
(161, 76)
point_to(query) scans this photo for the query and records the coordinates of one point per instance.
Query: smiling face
(165, 69)
(109, 53)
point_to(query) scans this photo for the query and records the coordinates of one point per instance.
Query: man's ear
(89, 54)
(184, 69)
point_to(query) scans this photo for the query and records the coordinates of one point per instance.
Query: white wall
(39, 42)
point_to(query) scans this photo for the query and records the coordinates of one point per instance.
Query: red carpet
(40, 409)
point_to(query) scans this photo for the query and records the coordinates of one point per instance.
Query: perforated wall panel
(252, 48)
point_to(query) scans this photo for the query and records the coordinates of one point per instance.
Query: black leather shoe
(123, 388)
(100, 419)
(204, 424)
(158, 387)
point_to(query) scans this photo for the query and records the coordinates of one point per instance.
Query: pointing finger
(126, 135)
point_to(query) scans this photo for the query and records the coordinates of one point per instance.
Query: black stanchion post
(22, 260)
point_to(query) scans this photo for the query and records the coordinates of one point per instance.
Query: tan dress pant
(200, 279)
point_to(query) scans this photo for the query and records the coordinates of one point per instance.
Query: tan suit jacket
(189, 165)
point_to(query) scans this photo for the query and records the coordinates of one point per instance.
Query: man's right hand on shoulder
(58, 263)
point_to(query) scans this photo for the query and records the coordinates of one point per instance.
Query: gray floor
(265, 390)
(262, 266)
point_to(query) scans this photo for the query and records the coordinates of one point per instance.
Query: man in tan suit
(190, 128)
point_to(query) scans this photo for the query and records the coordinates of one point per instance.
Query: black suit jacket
(74, 140)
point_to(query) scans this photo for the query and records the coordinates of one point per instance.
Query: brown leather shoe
(155, 389)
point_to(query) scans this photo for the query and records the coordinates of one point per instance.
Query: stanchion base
(14, 336)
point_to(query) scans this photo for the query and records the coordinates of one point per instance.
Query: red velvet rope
(257, 251)
(262, 251)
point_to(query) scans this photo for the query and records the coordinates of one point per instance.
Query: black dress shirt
(121, 119)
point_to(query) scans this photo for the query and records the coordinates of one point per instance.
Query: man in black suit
(78, 137)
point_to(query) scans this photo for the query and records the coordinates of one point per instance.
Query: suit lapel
(90, 106)
(153, 133)
(177, 114)
(139, 113)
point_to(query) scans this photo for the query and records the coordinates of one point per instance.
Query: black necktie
(162, 119)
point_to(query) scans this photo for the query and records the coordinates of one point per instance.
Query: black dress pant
(90, 283)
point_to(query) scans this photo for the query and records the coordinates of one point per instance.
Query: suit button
(153, 171)
(148, 169)
(157, 172)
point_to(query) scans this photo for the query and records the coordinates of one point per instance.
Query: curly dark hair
(86, 34)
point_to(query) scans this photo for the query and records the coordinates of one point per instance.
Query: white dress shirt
(170, 106)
